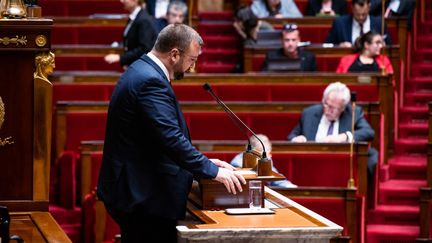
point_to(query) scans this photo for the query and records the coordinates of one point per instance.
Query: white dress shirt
(160, 64)
(356, 29)
(161, 8)
(132, 17)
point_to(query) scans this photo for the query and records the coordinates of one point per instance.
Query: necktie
(128, 25)
(330, 129)
(361, 30)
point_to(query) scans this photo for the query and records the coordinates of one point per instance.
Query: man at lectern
(330, 122)
(148, 161)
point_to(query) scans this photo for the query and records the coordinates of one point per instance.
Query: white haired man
(330, 122)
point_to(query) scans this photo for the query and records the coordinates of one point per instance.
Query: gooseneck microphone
(236, 121)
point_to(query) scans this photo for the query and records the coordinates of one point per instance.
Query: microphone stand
(351, 183)
(264, 163)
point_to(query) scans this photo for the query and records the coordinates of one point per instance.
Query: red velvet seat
(98, 226)
(75, 7)
(82, 92)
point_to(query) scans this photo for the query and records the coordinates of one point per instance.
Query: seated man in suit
(394, 8)
(346, 29)
(176, 13)
(330, 122)
(290, 57)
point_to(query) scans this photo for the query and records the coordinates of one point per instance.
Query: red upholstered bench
(98, 226)
(81, 92)
(79, 7)
(85, 63)
(218, 126)
(76, 34)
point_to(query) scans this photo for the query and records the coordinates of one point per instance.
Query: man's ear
(175, 55)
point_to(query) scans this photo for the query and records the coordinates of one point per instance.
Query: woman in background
(275, 9)
(326, 7)
(368, 56)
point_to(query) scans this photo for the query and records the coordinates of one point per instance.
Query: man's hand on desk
(231, 179)
(345, 44)
(222, 164)
(340, 138)
(299, 139)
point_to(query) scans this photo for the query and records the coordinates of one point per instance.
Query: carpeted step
(422, 69)
(425, 28)
(422, 55)
(394, 214)
(400, 192)
(424, 41)
(411, 146)
(415, 114)
(231, 42)
(383, 233)
(218, 28)
(216, 15)
(419, 97)
(417, 83)
(407, 167)
(416, 130)
(216, 67)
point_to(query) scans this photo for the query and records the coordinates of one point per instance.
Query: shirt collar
(160, 64)
(133, 15)
(366, 23)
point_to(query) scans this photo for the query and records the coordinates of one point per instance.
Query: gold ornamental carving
(7, 140)
(41, 40)
(14, 40)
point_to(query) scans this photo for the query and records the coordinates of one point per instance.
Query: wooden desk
(291, 223)
(36, 227)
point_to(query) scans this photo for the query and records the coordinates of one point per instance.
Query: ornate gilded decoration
(13, 9)
(45, 64)
(41, 40)
(6, 140)
(14, 40)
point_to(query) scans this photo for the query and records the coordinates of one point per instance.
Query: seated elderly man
(290, 57)
(330, 122)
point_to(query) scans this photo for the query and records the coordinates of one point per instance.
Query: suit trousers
(140, 227)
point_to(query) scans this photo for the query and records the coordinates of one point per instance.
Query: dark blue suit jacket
(311, 116)
(148, 159)
(139, 39)
(341, 29)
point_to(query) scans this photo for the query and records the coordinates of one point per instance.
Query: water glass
(255, 194)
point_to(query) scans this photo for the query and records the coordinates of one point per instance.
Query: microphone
(237, 120)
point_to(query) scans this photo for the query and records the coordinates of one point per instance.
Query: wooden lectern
(25, 129)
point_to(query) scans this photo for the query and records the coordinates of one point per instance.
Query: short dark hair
(176, 36)
(245, 15)
(360, 2)
(366, 38)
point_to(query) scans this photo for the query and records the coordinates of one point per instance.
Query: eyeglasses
(333, 108)
(290, 27)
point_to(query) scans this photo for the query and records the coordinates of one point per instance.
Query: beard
(178, 75)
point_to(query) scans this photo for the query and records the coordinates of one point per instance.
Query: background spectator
(176, 13)
(275, 8)
(290, 57)
(368, 56)
(346, 29)
(326, 7)
(139, 34)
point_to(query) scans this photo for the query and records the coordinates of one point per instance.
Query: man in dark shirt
(290, 57)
